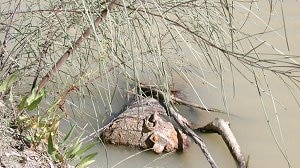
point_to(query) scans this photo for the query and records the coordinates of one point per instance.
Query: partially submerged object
(144, 124)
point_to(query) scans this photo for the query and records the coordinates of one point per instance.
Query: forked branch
(221, 127)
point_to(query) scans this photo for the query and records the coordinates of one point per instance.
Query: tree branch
(181, 121)
(187, 103)
(75, 45)
(221, 127)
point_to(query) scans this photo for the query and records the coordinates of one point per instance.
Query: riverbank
(15, 151)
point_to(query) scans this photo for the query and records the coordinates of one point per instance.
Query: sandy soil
(14, 152)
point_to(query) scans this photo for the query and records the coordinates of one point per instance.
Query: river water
(247, 118)
(249, 122)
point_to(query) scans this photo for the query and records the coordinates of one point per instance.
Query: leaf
(67, 137)
(51, 148)
(22, 103)
(35, 96)
(34, 104)
(11, 96)
(7, 83)
(84, 149)
(74, 148)
(71, 153)
(82, 165)
(55, 125)
(31, 98)
(86, 160)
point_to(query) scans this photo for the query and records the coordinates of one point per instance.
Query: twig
(75, 45)
(194, 136)
(43, 53)
(5, 40)
(221, 127)
(187, 103)
(185, 126)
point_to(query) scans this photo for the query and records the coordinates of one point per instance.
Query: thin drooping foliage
(97, 49)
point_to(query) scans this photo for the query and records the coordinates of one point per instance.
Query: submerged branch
(186, 129)
(217, 126)
(187, 103)
(221, 127)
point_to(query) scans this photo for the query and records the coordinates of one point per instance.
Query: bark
(144, 125)
(221, 127)
(180, 120)
(75, 45)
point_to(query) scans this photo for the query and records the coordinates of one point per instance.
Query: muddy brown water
(248, 119)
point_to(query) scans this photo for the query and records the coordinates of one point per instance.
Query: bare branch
(75, 45)
(221, 127)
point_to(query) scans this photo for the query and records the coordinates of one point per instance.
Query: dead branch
(221, 127)
(160, 96)
(194, 136)
(217, 126)
(75, 45)
(178, 100)
(187, 103)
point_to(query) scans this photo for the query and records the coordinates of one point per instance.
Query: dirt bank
(15, 152)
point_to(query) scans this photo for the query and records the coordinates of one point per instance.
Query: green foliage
(51, 148)
(86, 160)
(139, 41)
(83, 150)
(44, 130)
(32, 101)
(68, 136)
(72, 152)
(8, 82)
(40, 128)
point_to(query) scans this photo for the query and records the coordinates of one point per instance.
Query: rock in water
(144, 125)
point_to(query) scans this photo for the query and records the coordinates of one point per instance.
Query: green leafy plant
(97, 44)
(32, 101)
(73, 152)
(44, 129)
(8, 82)
(40, 128)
